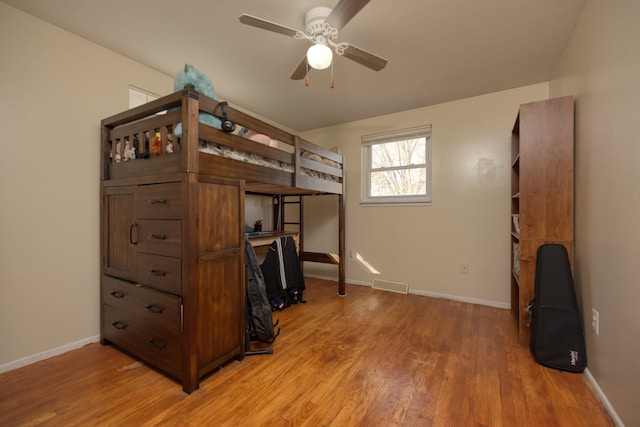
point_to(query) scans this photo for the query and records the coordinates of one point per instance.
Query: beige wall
(601, 67)
(54, 90)
(468, 220)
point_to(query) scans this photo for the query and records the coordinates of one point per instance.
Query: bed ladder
(290, 200)
(279, 205)
(280, 222)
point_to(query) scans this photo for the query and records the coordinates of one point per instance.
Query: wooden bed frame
(140, 124)
(172, 227)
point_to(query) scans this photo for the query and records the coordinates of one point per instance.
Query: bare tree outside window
(397, 167)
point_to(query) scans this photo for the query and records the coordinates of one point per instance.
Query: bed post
(189, 140)
(297, 154)
(106, 150)
(341, 251)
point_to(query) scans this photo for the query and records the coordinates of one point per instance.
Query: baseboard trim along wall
(496, 304)
(28, 360)
(603, 398)
(462, 299)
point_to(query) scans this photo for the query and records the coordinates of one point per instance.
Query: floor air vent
(386, 285)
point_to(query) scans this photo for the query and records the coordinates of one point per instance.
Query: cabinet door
(119, 232)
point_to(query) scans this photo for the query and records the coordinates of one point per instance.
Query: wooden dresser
(173, 278)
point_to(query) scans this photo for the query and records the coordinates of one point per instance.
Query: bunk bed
(172, 227)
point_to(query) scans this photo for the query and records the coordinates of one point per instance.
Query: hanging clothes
(282, 274)
(259, 319)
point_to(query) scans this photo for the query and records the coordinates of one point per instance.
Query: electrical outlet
(352, 254)
(464, 268)
(595, 321)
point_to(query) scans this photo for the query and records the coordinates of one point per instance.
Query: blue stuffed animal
(192, 78)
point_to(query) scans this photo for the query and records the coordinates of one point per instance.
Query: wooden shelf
(542, 144)
(516, 162)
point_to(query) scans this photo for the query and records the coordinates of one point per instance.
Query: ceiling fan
(322, 25)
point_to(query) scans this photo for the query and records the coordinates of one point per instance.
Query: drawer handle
(157, 201)
(116, 294)
(154, 309)
(157, 344)
(158, 272)
(159, 236)
(131, 228)
(119, 325)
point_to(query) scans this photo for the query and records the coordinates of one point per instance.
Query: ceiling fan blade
(368, 59)
(301, 70)
(344, 11)
(268, 25)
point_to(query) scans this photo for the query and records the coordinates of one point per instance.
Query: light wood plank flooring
(372, 358)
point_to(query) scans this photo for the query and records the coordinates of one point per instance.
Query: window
(139, 96)
(397, 166)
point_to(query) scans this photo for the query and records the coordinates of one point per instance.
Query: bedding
(130, 153)
(275, 158)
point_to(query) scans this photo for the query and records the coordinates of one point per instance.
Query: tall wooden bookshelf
(542, 151)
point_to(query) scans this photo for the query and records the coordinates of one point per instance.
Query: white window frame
(368, 141)
(139, 96)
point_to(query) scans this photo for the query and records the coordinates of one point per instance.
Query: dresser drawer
(160, 272)
(156, 346)
(160, 237)
(159, 201)
(152, 308)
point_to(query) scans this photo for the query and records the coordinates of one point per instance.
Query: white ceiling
(438, 50)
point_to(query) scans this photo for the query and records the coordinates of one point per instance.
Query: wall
(55, 89)
(256, 208)
(468, 220)
(601, 68)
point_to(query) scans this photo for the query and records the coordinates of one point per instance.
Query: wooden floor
(372, 358)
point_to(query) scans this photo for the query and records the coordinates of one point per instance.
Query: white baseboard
(426, 293)
(603, 398)
(9, 366)
(462, 299)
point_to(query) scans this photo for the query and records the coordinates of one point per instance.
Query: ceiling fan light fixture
(319, 56)
(322, 25)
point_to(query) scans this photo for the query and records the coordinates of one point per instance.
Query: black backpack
(557, 336)
(259, 321)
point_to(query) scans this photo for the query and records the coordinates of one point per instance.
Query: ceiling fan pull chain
(306, 78)
(332, 84)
